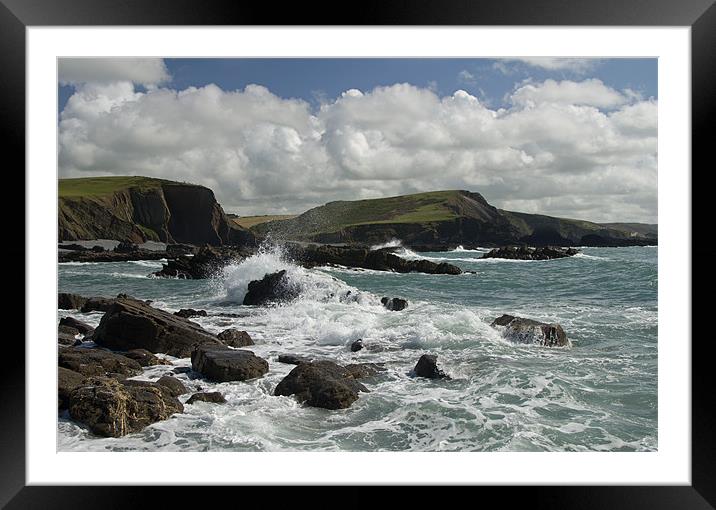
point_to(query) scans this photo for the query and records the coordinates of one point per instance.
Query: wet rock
(126, 247)
(357, 345)
(80, 326)
(207, 261)
(272, 288)
(530, 253)
(174, 385)
(97, 304)
(190, 312)
(67, 339)
(235, 338)
(67, 330)
(67, 381)
(114, 408)
(67, 301)
(427, 367)
(321, 384)
(130, 324)
(293, 359)
(219, 363)
(144, 357)
(395, 304)
(97, 362)
(212, 396)
(529, 331)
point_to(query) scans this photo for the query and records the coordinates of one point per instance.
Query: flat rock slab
(130, 324)
(293, 359)
(97, 362)
(321, 384)
(114, 408)
(529, 331)
(222, 364)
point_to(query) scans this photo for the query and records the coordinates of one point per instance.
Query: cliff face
(140, 209)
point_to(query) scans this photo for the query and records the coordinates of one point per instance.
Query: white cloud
(143, 71)
(466, 77)
(590, 92)
(578, 149)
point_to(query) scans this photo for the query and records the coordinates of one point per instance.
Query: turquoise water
(600, 395)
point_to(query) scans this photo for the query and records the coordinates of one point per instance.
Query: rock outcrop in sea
(530, 253)
(529, 331)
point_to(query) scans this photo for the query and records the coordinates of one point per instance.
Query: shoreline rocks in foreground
(530, 253)
(529, 331)
(131, 324)
(321, 384)
(222, 364)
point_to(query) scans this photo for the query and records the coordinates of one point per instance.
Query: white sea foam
(393, 243)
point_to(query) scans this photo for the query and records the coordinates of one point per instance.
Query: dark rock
(98, 249)
(321, 384)
(114, 408)
(219, 363)
(126, 247)
(530, 253)
(362, 370)
(207, 262)
(427, 367)
(67, 339)
(80, 326)
(180, 249)
(97, 362)
(111, 256)
(379, 260)
(292, 359)
(357, 345)
(395, 304)
(72, 247)
(144, 357)
(528, 331)
(67, 380)
(97, 304)
(67, 330)
(173, 384)
(214, 397)
(130, 324)
(190, 312)
(235, 338)
(272, 288)
(67, 301)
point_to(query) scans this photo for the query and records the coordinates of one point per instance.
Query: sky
(559, 136)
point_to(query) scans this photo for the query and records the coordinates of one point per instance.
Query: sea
(600, 394)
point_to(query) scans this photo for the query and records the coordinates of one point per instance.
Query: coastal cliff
(139, 209)
(447, 218)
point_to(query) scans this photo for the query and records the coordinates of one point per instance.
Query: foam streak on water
(598, 396)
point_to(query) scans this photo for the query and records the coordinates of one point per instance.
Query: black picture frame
(700, 15)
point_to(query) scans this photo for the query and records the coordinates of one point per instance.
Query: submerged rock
(213, 397)
(190, 312)
(219, 363)
(272, 288)
(114, 408)
(362, 370)
(529, 331)
(67, 301)
(395, 304)
(97, 362)
(321, 384)
(235, 338)
(357, 345)
(130, 324)
(427, 366)
(530, 253)
(80, 326)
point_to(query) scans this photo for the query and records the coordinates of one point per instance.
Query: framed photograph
(445, 245)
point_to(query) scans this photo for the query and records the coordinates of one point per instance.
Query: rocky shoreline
(96, 366)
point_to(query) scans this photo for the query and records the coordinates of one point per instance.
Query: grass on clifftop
(250, 221)
(97, 186)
